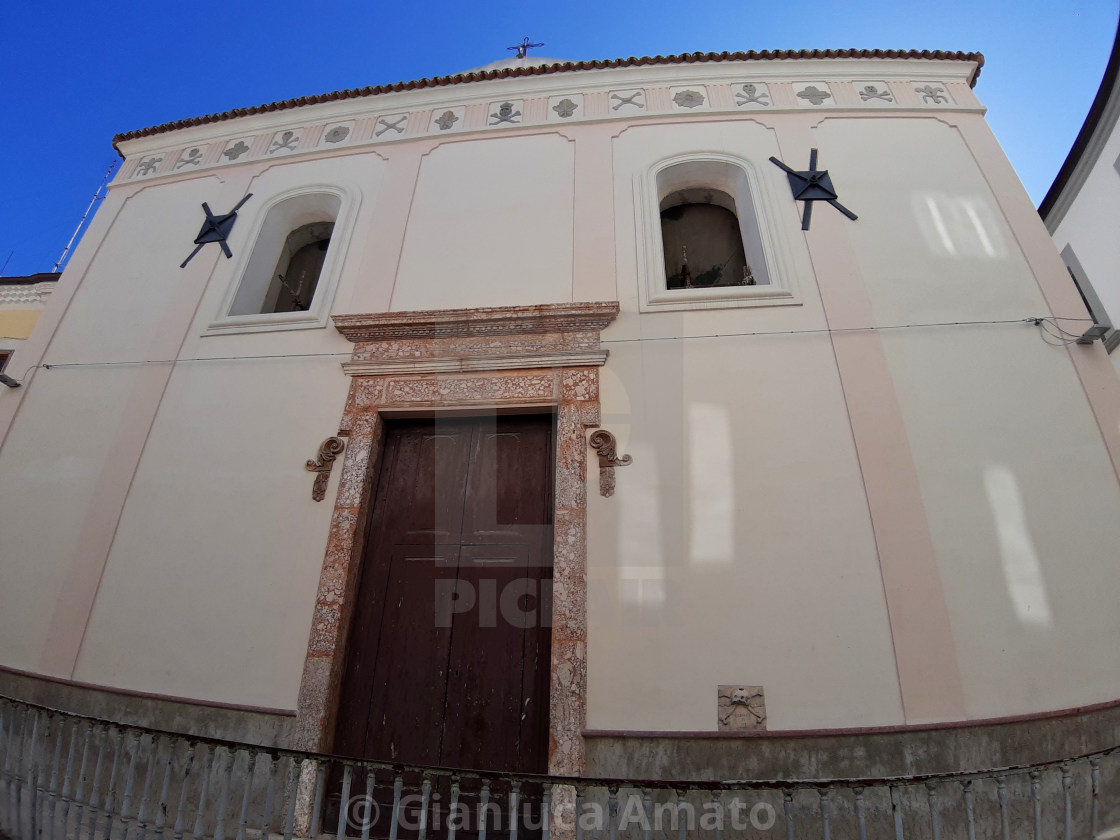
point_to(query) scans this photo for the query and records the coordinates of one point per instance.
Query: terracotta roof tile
(542, 70)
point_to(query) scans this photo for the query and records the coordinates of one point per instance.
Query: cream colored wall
(1018, 489)
(490, 225)
(1022, 504)
(49, 474)
(151, 524)
(931, 241)
(211, 580)
(775, 581)
(737, 548)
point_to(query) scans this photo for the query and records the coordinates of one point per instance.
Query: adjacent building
(1083, 202)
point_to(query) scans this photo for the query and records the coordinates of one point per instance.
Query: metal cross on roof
(812, 185)
(524, 47)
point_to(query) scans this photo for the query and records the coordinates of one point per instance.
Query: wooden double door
(449, 650)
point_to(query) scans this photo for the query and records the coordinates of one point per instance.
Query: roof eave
(545, 69)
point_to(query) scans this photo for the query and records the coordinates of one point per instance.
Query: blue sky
(73, 74)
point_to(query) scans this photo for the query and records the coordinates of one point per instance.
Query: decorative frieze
(190, 157)
(21, 294)
(393, 125)
(506, 113)
(813, 93)
(874, 93)
(284, 142)
(933, 94)
(565, 107)
(449, 117)
(237, 148)
(336, 134)
(689, 98)
(148, 166)
(628, 100)
(752, 95)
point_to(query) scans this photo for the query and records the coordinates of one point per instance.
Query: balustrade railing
(69, 776)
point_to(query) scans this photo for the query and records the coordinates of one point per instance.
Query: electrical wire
(1062, 337)
(1042, 322)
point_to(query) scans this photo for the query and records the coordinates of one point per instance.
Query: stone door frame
(465, 361)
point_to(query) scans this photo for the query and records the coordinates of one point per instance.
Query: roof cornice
(462, 323)
(547, 69)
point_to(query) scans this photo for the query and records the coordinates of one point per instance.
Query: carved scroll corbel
(604, 443)
(329, 449)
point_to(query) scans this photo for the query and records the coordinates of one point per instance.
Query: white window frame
(756, 208)
(317, 315)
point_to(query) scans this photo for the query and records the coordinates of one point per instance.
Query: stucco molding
(499, 320)
(405, 115)
(473, 363)
(908, 61)
(35, 293)
(570, 392)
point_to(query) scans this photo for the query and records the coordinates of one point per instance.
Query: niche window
(702, 243)
(291, 271)
(706, 244)
(292, 287)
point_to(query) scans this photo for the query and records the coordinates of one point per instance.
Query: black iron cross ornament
(215, 229)
(812, 185)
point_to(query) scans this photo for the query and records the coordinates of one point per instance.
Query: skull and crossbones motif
(192, 158)
(872, 92)
(286, 141)
(505, 114)
(750, 94)
(741, 707)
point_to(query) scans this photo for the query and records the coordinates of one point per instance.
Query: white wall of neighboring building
(1088, 223)
(157, 532)
(1083, 206)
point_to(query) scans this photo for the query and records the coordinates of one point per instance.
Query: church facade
(701, 417)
